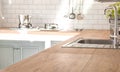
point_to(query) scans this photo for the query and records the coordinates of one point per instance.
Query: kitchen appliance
(51, 26)
(25, 21)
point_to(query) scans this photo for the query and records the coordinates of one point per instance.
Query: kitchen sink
(89, 43)
(94, 41)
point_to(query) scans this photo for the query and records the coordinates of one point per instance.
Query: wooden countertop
(51, 32)
(57, 59)
(8, 34)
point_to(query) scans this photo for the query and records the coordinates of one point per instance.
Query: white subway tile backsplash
(102, 17)
(101, 11)
(98, 26)
(14, 7)
(87, 26)
(19, 11)
(24, 7)
(37, 2)
(28, 1)
(53, 11)
(49, 12)
(11, 25)
(5, 1)
(87, 17)
(56, 2)
(51, 7)
(95, 17)
(45, 2)
(27, 11)
(11, 11)
(36, 11)
(35, 21)
(36, 16)
(11, 20)
(103, 21)
(106, 26)
(19, 2)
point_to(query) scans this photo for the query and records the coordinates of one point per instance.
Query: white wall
(53, 11)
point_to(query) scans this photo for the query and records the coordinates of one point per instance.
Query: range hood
(107, 0)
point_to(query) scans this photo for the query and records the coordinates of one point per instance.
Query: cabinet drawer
(17, 44)
(11, 43)
(55, 42)
(33, 43)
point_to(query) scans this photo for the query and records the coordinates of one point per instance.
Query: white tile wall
(53, 11)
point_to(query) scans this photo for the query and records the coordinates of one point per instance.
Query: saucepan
(72, 15)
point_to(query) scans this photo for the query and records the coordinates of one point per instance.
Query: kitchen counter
(8, 34)
(58, 59)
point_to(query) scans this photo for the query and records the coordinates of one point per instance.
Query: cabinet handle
(16, 48)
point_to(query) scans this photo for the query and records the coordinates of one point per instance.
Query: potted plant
(109, 12)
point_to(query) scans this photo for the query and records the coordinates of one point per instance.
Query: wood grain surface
(58, 59)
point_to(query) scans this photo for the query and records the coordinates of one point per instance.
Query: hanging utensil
(79, 15)
(82, 15)
(72, 14)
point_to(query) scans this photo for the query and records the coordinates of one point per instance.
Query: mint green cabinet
(6, 56)
(54, 42)
(29, 48)
(12, 51)
(17, 55)
(29, 51)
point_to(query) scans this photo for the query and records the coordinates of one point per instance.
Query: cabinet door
(30, 48)
(17, 55)
(55, 42)
(29, 51)
(6, 56)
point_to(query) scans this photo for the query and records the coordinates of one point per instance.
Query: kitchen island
(59, 59)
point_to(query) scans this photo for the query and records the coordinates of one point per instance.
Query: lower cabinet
(15, 51)
(17, 55)
(29, 51)
(6, 56)
(12, 51)
(24, 52)
(54, 42)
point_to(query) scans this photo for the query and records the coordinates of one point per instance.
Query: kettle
(24, 21)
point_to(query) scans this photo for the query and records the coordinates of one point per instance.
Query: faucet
(115, 34)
